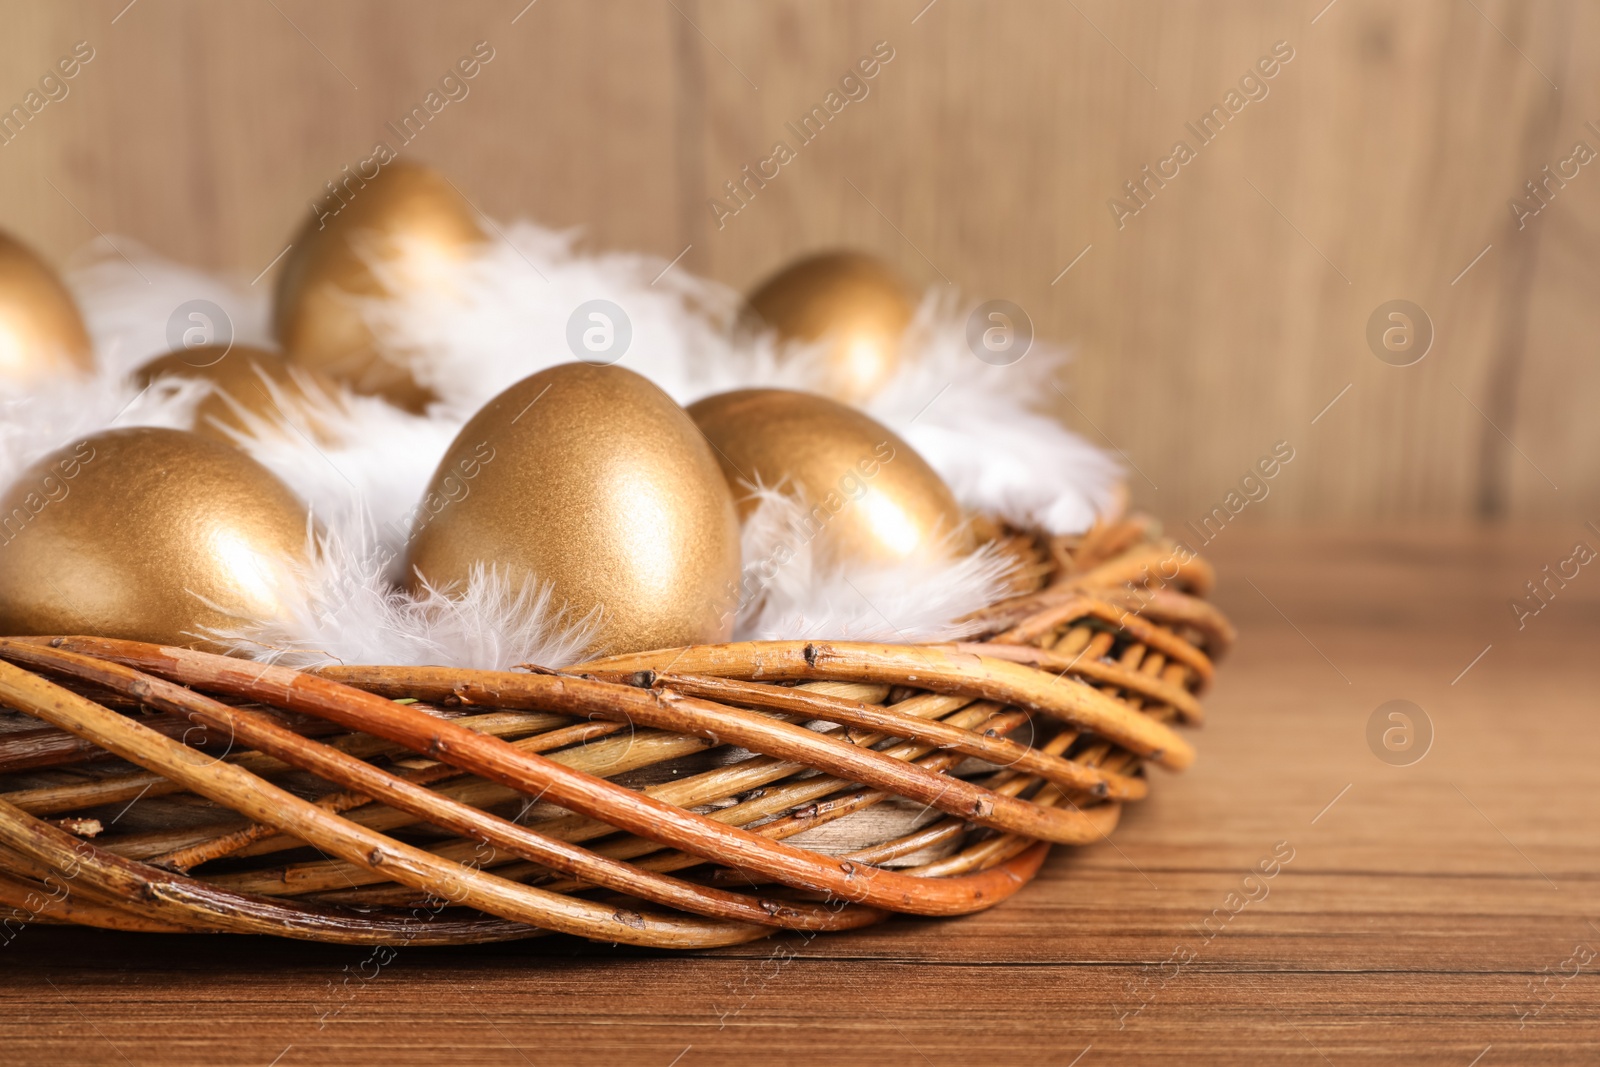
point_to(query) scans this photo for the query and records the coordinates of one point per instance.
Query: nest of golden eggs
(651, 775)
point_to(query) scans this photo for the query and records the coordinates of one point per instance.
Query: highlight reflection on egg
(146, 534)
(869, 496)
(421, 229)
(854, 302)
(242, 373)
(41, 332)
(592, 479)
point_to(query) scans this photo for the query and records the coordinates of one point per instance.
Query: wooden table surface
(1446, 911)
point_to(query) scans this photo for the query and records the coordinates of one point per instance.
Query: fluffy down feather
(971, 422)
(354, 459)
(353, 613)
(50, 416)
(792, 591)
(133, 301)
(362, 466)
(508, 317)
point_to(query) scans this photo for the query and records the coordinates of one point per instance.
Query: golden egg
(41, 332)
(592, 479)
(147, 534)
(419, 223)
(238, 371)
(868, 495)
(853, 302)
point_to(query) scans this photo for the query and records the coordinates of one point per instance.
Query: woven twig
(454, 806)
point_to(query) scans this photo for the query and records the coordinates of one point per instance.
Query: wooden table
(1442, 912)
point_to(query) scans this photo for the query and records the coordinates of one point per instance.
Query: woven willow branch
(669, 798)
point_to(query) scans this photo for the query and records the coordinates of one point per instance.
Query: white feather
(976, 425)
(352, 613)
(349, 457)
(58, 412)
(133, 301)
(506, 312)
(362, 466)
(126, 304)
(793, 590)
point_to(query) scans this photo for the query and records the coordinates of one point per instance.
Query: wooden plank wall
(1218, 320)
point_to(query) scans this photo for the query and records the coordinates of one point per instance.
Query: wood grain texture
(1221, 318)
(1418, 907)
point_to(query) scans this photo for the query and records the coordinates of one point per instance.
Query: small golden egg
(592, 479)
(237, 371)
(868, 495)
(854, 302)
(424, 228)
(41, 332)
(146, 534)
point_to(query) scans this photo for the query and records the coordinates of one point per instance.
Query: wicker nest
(683, 798)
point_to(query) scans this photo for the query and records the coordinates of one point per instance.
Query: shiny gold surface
(854, 301)
(313, 319)
(41, 332)
(236, 371)
(129, 532)
(870, 497)
(593, 479)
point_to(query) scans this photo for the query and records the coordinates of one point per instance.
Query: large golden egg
(241, 372)
(146, 534)
(422, 227)
(854, 303)
(41, 332)
(592, 479)
(868, 495)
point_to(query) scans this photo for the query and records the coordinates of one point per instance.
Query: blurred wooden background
(1223, 318)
